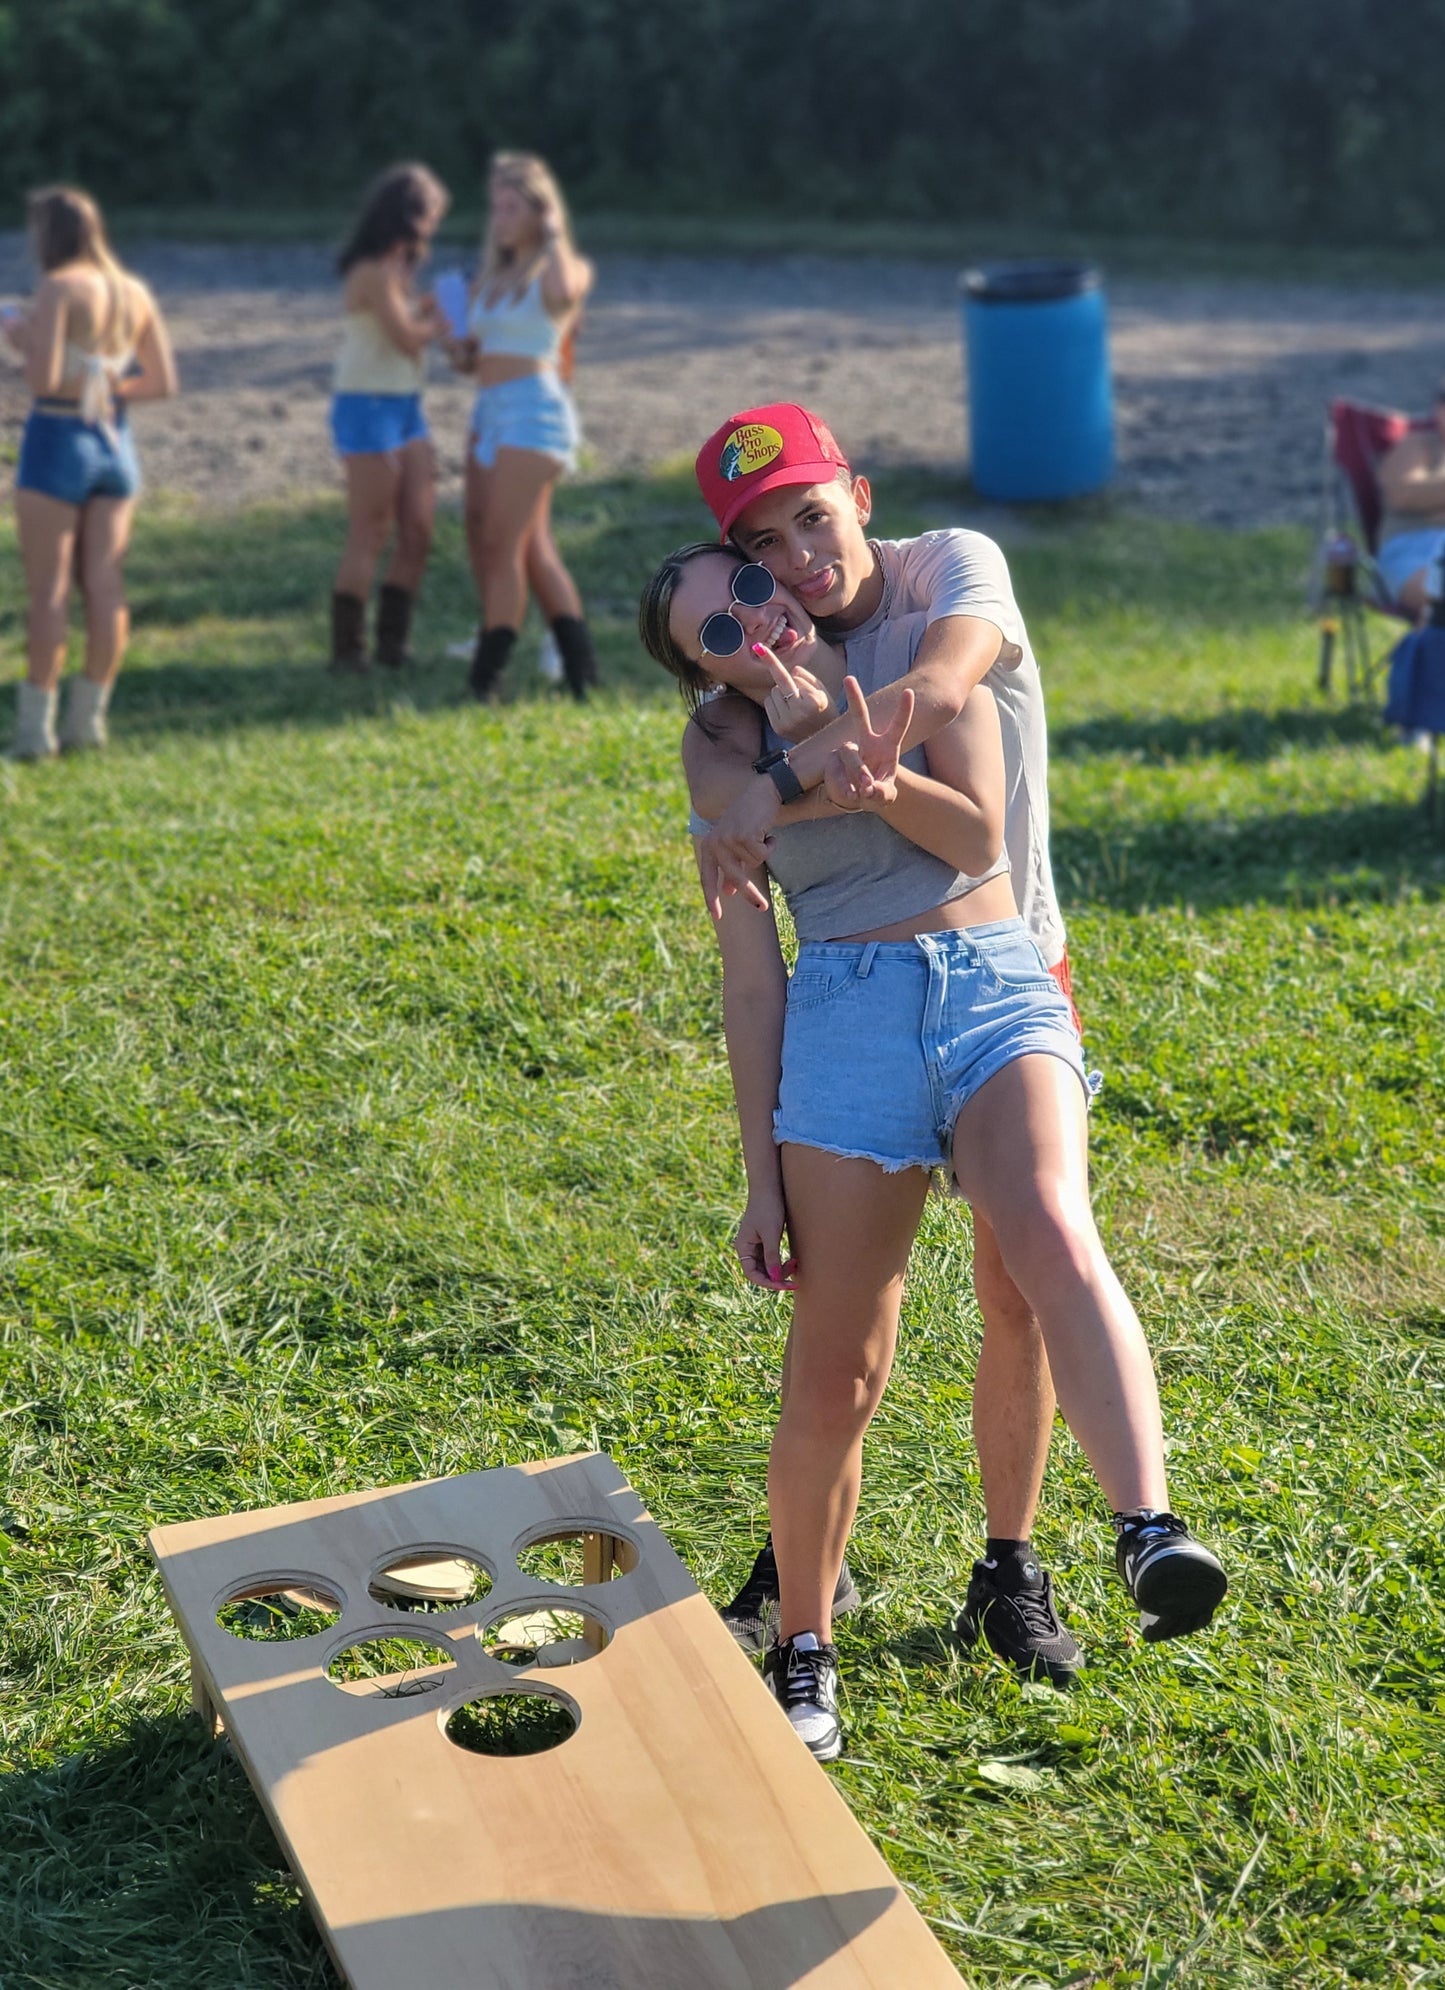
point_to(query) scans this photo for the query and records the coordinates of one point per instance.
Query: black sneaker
(802, 1676)
(750, 1614)
(1012, 1609)
(1177, 1584)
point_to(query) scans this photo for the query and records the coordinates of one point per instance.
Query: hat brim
(798, 475)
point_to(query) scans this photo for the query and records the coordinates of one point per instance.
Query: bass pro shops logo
(749, 449)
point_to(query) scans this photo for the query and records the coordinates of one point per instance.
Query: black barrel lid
(1038, 282)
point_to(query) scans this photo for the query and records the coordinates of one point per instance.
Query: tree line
(1296, 121)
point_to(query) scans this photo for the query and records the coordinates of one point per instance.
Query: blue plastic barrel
(1040, 403)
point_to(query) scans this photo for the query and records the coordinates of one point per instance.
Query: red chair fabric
(1359, 437)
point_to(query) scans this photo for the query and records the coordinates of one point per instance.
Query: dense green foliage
(366, 1116)
(1308, 120)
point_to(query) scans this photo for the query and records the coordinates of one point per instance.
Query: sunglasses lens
(721, 635)
(753, 585)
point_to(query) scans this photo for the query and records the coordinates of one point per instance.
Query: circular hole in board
(391, 1668)
(429, 1580)
(562, 1557)
(280, 1609)
(512, 1724)
(545, 1638)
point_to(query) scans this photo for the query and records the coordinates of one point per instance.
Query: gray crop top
(855, 872)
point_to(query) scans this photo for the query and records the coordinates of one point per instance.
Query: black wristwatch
(778, 769)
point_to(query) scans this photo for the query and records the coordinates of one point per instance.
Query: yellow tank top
(368, 362)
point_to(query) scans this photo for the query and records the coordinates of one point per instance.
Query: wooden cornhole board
(681, 1838)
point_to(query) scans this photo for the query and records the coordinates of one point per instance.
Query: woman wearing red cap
(910, 941)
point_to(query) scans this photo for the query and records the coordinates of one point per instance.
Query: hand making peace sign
(863, 773)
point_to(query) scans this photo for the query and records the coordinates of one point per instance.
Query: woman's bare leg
(1020, 1156)
(373, 484)
(48, 530)
(416, 495)
(510, 500)
(547, 576)
(104, 541)
(851, 1227)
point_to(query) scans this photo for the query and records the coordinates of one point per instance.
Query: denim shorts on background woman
(886, 1042)
(375, 424)
(535, 412)
(71, 460)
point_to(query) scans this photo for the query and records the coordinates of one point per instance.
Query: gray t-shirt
(850, 873)
(962, 573)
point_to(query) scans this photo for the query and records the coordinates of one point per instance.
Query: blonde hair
(68, 228)
(505, 272)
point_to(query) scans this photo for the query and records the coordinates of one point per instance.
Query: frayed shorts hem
(889, 1163)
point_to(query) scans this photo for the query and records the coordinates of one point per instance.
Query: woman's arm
(566, 276)
(156, 380)
(44, 336)
(1412, 476)
(755, 993)
(410, 323)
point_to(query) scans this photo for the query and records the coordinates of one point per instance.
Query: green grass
(365, 1116)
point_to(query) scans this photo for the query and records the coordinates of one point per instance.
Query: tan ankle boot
(34, 723)
(86, 703)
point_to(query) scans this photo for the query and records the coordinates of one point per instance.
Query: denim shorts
(374, 424)
(72, 460)
(1405, 554)
(535, 412)
(885, 1042)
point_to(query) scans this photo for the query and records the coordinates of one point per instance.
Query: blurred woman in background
(525, 306)
(377, 422)
(93, 341)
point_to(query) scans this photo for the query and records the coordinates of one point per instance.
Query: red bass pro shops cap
(764, 449)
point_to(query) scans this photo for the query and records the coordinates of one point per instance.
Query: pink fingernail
(758, 650)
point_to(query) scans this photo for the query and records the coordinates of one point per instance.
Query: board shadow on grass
(147, 1860)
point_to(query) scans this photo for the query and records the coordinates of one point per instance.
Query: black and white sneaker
(1011, 1606)
(802, 1676)
(1176, 1582)
(751, 1613)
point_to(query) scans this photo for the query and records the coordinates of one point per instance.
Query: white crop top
(516, 327)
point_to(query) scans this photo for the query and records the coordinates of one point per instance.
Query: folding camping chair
(1347, 580)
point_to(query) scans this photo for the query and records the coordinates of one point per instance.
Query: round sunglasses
(722, 634)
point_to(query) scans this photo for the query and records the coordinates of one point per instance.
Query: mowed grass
(366, 1117)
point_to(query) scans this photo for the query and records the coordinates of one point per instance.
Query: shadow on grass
(148, 1861)
(1241, 733)
(1367, 854)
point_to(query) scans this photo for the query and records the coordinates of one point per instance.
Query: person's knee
(836, 1403)
(1047, 1237)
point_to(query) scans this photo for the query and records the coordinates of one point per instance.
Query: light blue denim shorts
(885, 1042)
(1405, 554)
(535, 412)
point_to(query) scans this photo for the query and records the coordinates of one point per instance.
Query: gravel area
(1220, 387)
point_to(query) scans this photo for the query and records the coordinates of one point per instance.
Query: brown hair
(393, 210)
(654, 621)
(68, 228)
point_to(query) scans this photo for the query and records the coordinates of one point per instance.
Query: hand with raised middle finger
(798, 705)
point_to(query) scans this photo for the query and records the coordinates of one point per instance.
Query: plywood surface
(681, 1838)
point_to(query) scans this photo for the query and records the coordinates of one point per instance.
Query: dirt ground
(1220, 387)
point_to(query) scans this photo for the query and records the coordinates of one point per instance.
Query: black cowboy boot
(393, 625)
(579, 659)
(494, 648)
(348, 635)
